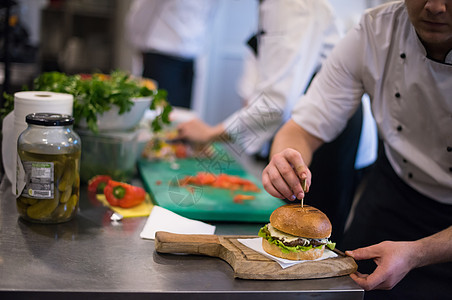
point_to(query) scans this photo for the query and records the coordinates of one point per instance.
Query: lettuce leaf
(331, 245)
(264, 233)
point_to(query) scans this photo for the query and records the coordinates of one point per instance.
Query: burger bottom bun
(274, 250)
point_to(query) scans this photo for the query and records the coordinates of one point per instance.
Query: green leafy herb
(95, 94)
(8, 105)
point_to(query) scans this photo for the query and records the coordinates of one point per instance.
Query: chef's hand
(284, 174)
(394, 260)
(197, 131)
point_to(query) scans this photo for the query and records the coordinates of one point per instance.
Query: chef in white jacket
(293, 39)
(400, 54)
(169, 35)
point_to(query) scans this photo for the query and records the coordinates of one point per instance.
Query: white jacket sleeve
(289, 53)
(336, 91)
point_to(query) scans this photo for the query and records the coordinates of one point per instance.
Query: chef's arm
(290, 156)
(434, 249)
(196, 130)
(292, 135)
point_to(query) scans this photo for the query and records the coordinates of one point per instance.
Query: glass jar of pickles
(48, 169)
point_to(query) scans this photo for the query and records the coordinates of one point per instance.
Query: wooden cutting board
(247, 263)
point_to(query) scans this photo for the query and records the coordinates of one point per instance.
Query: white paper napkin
(256, 245)
(162, 219)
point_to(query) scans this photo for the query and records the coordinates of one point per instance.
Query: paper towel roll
(26, 103)
(32, 102)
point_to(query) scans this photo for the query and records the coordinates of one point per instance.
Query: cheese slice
(285, 237)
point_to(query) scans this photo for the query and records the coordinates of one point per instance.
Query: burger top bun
(306, 221)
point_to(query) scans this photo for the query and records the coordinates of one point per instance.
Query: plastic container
(109, 153)
(48, 178)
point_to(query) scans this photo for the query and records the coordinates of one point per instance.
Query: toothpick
(303, 186)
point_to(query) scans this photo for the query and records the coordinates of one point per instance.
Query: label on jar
(38, 180)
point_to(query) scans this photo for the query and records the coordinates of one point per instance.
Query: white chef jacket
(174, 27)
(411, 98)
(298, 35)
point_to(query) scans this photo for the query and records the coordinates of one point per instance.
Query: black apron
(173, 74)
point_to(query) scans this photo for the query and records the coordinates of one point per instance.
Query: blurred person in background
(170, 35)
(401, 235)
(294, 37)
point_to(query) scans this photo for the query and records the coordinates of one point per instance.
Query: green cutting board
(205, 203)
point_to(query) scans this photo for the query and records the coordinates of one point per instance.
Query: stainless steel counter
(91, 257)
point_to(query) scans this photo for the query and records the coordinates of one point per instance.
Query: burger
(297, 233)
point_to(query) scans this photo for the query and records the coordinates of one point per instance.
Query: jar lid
(49, 119)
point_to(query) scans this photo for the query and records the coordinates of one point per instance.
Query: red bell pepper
(123, 195)
(97, 184)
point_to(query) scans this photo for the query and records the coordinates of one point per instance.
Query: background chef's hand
(283, 175)
(197, 131)
(394, 260)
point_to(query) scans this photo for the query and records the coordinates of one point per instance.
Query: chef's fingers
(300, 168)
(357, 275)
(278, 182)
(181, 131)
(296, 161)
(369, 252)
(287, 173)
(376, 280)
(304, 174)
(268, 186)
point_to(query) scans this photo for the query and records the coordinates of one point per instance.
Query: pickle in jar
(41, 197)
(47, 172)
(43, 209)
(69, 175)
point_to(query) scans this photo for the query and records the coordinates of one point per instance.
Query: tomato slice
(222, 181)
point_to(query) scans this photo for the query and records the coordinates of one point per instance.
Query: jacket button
(449, 149)
(402, 55)
(450, 169)
(399, 128)
(410, 175)
(397, 95)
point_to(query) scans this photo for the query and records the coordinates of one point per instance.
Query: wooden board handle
(201, 244)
